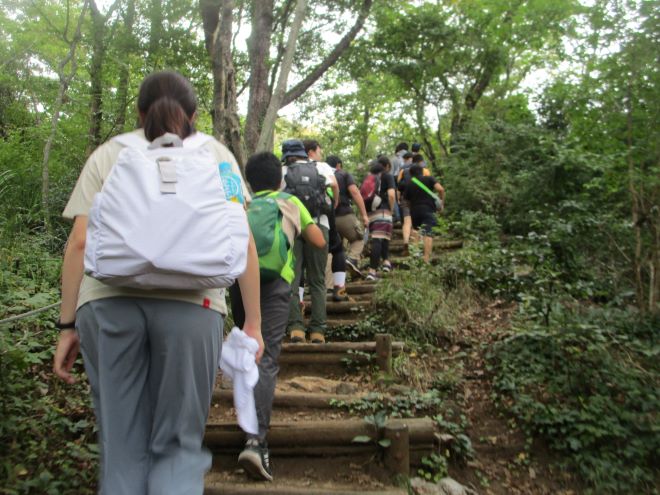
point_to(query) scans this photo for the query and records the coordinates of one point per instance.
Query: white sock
(339, 279)
(301, 293)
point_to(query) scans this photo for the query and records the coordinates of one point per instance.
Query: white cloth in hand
(238, 361)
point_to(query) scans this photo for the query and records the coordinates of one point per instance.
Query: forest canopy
(539, 117)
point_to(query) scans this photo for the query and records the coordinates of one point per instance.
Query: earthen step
(303, 400)
(255, 489)
(358, 473)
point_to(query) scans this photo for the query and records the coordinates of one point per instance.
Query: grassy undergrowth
(417, 305)
(47, 433)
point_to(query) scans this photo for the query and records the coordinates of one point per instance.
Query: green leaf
(361, 439)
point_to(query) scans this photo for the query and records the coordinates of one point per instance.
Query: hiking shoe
(297, 335)
(372, 277)
(339, 294)
(387, 267)
(354, 267)
(255, 460)
(317, 338)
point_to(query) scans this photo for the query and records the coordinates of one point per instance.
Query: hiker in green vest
(426, 197)
(276, 219)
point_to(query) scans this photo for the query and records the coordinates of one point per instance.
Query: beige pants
(349, 228)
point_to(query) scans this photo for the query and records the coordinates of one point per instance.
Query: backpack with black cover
(304, 181)
(265, 218)
(369, 190)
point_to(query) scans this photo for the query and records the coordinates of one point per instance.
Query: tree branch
(295, 92)
(265, 137)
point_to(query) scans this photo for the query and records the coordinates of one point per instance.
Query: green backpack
(265, 220)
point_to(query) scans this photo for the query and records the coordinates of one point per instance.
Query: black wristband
(65, 326)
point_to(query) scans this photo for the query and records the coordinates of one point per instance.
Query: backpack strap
(423, 187)
(135, 140)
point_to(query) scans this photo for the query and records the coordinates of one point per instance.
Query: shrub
(588, 384)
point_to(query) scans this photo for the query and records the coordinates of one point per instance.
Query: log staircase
(312, 445)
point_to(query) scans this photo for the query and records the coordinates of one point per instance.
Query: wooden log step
(337, 347)
(342, 307)
(359, 297)
(437, 244)
(308, 400)
(269, 489)
(317, 434)
(343, 322)
(355, 289)
(322, 359)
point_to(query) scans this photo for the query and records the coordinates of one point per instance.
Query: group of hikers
(149, 256)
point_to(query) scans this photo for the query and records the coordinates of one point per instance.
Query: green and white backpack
(273, 246)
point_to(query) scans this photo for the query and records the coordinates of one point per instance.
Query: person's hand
(253, 329)
(66, 352)
(365, 221)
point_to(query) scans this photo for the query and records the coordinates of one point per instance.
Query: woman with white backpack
(142, 293)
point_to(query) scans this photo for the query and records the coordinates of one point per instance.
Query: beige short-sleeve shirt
(90, 182)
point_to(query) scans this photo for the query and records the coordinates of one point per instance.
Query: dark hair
(333, 161)
(310, 144)
(384, 161)
(167, 103)
(263, 171)
(417, 158)
(401, 146)
(416, 170)
(416, 147)
(407, 155)
(375, 167)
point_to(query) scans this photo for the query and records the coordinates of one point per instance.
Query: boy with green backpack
(276, 219)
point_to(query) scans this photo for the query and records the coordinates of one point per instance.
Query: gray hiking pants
(313, 260)
(151, 364)
(275, 297)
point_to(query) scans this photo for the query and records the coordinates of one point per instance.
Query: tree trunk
(155, 33)
(259, 45)
(300, 88)
(217, 16)
(420, 114)
(65, 80)
(364, 131)
(635, 204)
(266, 134)
(96, 77)
(127, 46)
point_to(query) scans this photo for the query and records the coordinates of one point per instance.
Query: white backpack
(162, 219)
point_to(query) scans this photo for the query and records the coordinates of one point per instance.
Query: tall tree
(127, 46)
(218, 20)
(98, 31)
(218, 28)
(268, 125)
(66, 71)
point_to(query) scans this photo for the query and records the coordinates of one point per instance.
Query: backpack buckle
(167, 171)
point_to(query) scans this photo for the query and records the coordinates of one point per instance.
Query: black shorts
(424, 221)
